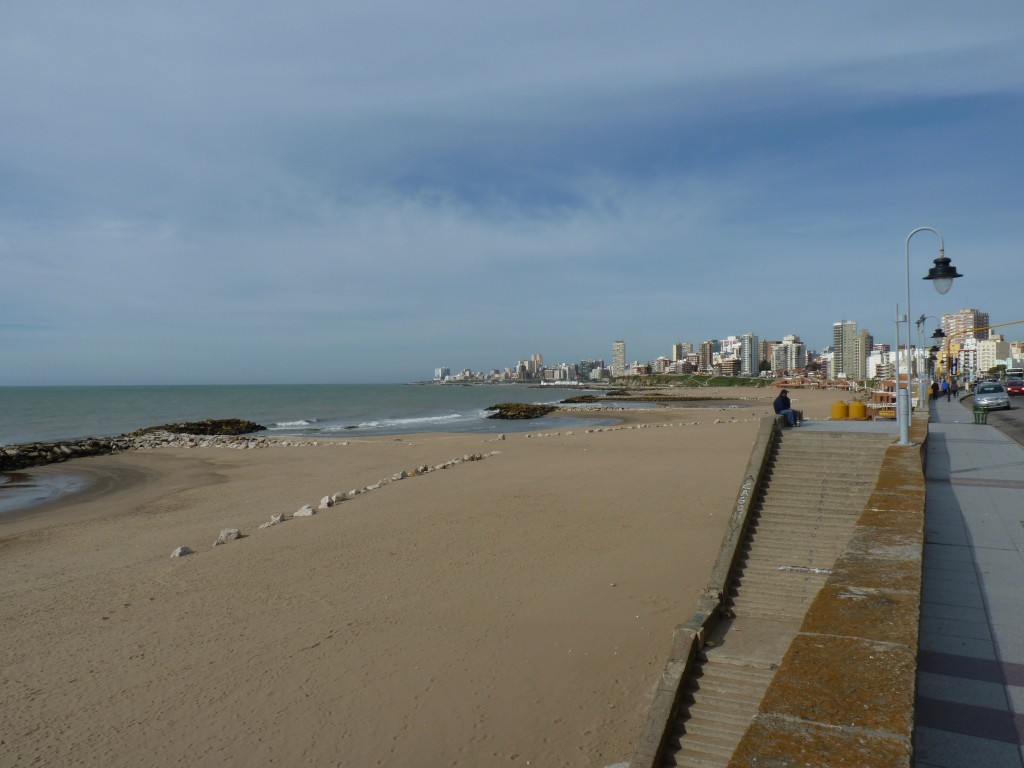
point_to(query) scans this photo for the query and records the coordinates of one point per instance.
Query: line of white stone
(307, 510)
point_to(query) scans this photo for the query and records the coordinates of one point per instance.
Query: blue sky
(345, 192)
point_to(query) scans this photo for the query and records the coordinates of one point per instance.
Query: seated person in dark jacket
(782, 406)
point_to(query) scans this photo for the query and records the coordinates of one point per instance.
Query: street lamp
(942, 275)
(938, 334)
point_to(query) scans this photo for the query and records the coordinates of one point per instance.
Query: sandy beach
(515, 610)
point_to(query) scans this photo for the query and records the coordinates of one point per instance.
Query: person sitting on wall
(782, 407)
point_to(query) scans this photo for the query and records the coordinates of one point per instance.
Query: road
(1010, 423)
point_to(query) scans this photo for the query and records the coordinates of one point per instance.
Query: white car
(990, 395)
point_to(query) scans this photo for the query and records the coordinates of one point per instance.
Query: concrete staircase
(815, 488)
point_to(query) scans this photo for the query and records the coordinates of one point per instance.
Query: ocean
(41, 414)
(47, 414)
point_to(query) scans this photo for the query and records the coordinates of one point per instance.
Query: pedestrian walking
(954, 388)
(944, 388)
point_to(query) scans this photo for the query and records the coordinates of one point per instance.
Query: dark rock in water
(208, 427)
(16, 457)
(520, 410)
(582, 399)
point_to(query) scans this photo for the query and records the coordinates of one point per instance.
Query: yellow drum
(858, 410)
(840, 411)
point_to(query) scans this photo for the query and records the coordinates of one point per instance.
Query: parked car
(991, 395)
(1015, 386)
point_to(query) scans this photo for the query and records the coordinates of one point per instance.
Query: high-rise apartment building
(963, 324)
(789, 355)
(750, 355)
(619, 358)
(844, 350)
(681, 349)
(993, 351)
(864, 342)
(706, 355)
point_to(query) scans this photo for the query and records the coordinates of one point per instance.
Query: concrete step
(804, 549)
(704, 726)
(771, 577)
(843, 464)
(769, 572)
(768, 613)
(848, 507)
(794, 521)
(790, 490)
(782, 525)
(792, 482)
(722, 701)
(793, 564)
(841, 438)
(806, 546)
(804, 461)
(725, 684)
(733, 715)
(704, 745)
(693, 758)
(815, 488)
(827, 449)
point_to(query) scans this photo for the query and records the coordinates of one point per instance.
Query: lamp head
(942, 274)
(939, 334)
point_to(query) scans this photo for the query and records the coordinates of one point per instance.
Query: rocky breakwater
(520, 410)
(211, 431)
(208, 427)
(14, 457)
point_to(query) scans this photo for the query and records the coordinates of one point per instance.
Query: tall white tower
(619, 358)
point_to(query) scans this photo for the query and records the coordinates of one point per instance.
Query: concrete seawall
(844, 692)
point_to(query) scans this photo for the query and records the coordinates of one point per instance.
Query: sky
(324, 192)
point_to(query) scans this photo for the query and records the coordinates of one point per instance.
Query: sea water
(48, 414)
(43, 414)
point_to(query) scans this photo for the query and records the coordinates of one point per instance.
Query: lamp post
(942, 275)
(938, 334)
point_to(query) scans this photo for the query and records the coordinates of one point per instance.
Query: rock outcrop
(212, 432)
(208, 427)
(520, 410)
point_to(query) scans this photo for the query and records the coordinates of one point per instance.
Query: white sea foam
(397, 423)
(294, 424)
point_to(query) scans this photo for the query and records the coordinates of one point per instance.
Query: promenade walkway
(970, 681)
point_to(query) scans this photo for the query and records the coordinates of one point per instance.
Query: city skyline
(335, 193)
(854, 352)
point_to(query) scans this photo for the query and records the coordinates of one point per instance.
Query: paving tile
(959, 646)
(951, 592)
(971, 630)
(944, 749)
(960, 579)
(963, 613)
(991, 724)
(982, 693)
(944, 535)
(948, 555)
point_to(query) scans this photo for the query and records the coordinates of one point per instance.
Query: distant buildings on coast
(853, 355)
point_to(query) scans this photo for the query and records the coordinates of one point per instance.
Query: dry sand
(510, 611)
